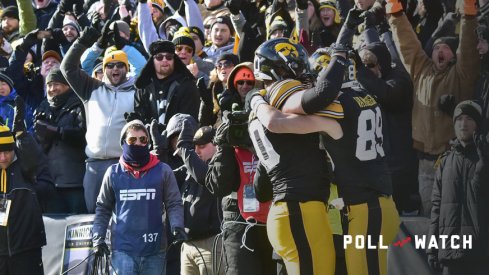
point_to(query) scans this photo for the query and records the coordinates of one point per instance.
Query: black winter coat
(66, 151)
(25, 228)
(460, 198)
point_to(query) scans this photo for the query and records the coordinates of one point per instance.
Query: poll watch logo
(420, 242)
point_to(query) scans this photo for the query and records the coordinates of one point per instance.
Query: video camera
(238, 129)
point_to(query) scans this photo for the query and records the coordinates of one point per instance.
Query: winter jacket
(25, 228)
(214, 52)
(65, 152)
(202, 210)
(460, 199)
(223, 179)
(104, 105)
(137, 207)
(432, 128)
(178, 91)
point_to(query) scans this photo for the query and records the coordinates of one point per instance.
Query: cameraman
(249, 254)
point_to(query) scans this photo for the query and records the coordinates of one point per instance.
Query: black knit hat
(470, 108)
(229, 57)
(199, 33)
(451, 41)
(5, 78)
(55, 75)
(224, 20)
(10, 11)
(7, 142)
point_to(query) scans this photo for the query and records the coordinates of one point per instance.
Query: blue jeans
(125, 264)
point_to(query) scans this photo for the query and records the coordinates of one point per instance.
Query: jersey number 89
(370, 138)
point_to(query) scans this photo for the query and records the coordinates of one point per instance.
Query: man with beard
(105, 103)
(448, 69)
(165, 87)
(60, 128)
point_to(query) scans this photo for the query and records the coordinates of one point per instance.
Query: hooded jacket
(161, 99)
(231, 95)
(104, 105)
(460, 199)
(432, 128)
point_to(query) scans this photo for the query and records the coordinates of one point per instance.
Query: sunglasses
(162, 56)
(119, 65)
(248, 82)
(181, 48)
(224, 65)
(133, 140)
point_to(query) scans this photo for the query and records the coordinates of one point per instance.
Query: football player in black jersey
(360, 169)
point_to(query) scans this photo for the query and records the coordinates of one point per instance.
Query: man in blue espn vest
(136, 192)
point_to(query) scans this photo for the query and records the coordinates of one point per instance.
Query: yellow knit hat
(115, 55)
(7, 142)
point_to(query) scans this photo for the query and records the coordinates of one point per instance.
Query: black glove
(64, 6)
(102, 250)
(205, 94)
(19, 116)
(45, 131)
(160, 141)
(221, 137)
(434, 263)
(234, 6)
(179, 235)
(301, 4)
(481, 141)
(29, 40)
(132, 116)
(89, 36)
(119, 41)
(186, 136)
(353, 18)
(446, 103)
(374, 16)
(58, 35)
(78, 8)
(103, 41)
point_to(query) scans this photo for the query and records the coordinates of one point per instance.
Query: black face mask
(59, 100)
(135, 155)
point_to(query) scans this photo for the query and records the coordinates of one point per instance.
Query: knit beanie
(55, 75)
(199, 33)
(470, 108)
(5, 78)
(229, 57)
(10, 11)
(451, 41)
(243, 73)
(7, 142)
(331, 5)
(182, 37)
(204, 135)
(117, 55)
(74, 24)
(278, 23)
(224, 20)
